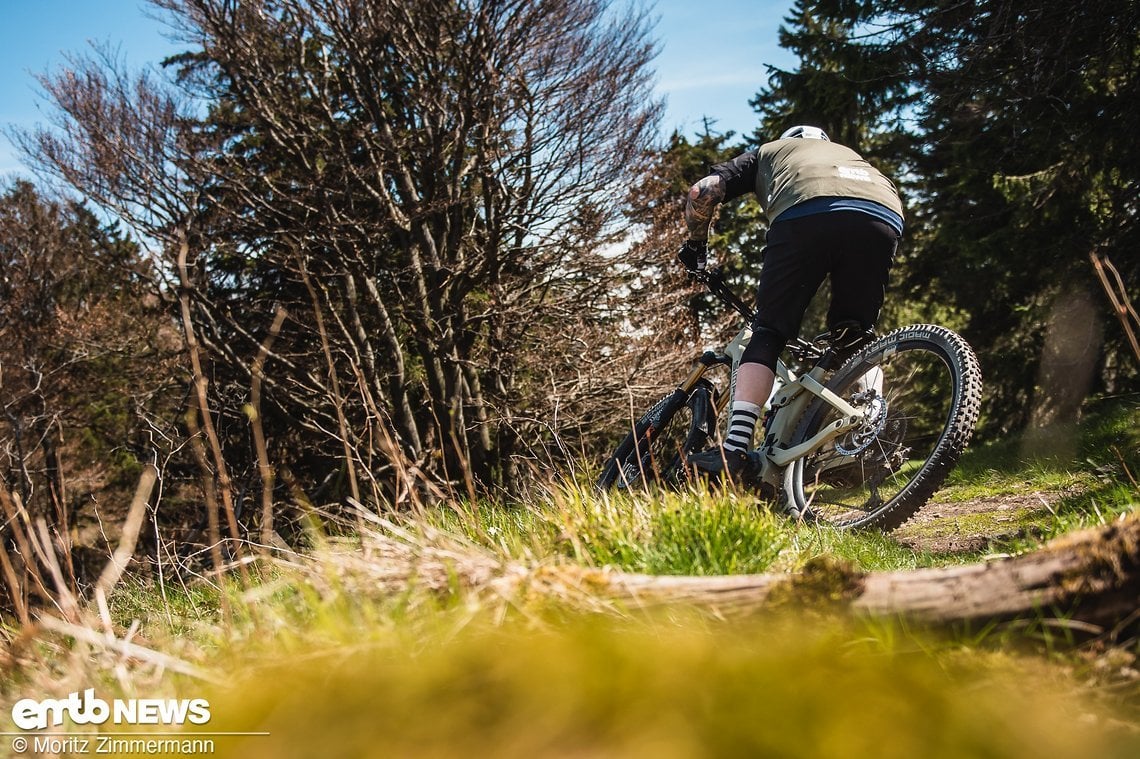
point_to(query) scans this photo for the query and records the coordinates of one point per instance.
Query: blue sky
(712, 61)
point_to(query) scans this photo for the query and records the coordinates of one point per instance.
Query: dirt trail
(967, 526)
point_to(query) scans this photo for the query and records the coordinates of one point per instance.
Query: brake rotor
(861, 438)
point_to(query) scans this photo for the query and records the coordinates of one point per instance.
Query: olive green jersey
(786, 173)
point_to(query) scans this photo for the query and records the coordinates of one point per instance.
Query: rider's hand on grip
(694, 254)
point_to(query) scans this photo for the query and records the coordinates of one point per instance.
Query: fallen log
(1089, 580)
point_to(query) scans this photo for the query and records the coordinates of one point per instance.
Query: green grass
(330, 659)
(330, 662)
(1059, 480)
(693, 532)
(997, 468)
(475, 631)
(1100, 452)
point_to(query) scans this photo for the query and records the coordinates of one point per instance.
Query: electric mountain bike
(858, 435)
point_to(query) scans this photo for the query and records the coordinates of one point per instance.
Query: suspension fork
(706, 413)
(704, 362)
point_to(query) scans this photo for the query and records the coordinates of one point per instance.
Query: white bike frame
(790, 398)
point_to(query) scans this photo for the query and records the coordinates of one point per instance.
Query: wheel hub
(874, 420)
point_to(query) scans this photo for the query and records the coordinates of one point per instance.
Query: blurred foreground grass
(806, 687)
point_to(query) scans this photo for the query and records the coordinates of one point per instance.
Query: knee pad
(764, 347)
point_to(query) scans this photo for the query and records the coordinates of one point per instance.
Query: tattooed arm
(729, 180)
(700, 205)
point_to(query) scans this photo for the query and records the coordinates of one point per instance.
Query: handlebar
(713, 279)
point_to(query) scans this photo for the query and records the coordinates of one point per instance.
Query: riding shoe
(717, 462)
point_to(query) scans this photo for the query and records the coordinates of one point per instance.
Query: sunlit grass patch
(1105, 444)
(1045, 483)
(694, 532)
(867, 551)
(998, 468)
(691, 532)
(971, 482)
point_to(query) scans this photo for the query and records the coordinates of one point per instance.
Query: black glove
(694, 254)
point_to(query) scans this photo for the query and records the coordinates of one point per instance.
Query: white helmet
(810, 132)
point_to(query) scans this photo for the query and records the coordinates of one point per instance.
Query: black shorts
(854, 248)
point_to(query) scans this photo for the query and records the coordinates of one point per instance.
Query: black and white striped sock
(744, 416)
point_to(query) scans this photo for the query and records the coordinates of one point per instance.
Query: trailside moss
(1104, 561)
(822, 582)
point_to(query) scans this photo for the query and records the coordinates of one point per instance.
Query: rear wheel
(656, 448)
(920, 389)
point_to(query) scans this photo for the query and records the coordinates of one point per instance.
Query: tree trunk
(1089, 581)
(1068, 366)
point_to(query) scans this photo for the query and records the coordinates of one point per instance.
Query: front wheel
(920, 389)
(656, 448)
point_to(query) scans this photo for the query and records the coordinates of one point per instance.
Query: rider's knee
(764, 347)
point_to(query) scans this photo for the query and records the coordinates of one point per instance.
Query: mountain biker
(830, 214)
